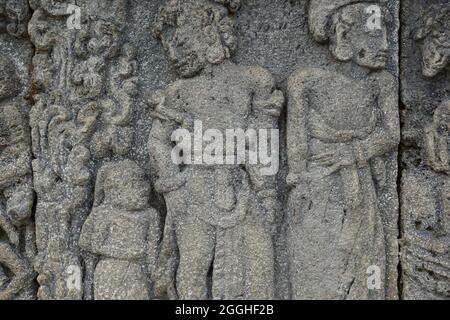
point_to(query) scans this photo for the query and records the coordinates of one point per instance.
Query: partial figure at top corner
(434, 35)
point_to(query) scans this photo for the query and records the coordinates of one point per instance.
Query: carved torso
(349, 107)
(119, 234)
(221, 100)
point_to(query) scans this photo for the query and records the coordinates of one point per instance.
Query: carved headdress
(321, 12)
(173, 8)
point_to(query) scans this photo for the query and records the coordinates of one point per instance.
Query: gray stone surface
(92, 206)
(342, 137)
(425, 184)
(17, 245)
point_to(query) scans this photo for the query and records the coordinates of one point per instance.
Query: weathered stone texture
(342, 138)
(425, 183)
(94, 206)
(17, 240)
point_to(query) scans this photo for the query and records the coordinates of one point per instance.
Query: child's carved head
(122, 185)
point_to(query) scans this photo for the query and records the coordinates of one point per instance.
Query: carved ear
(341, 49)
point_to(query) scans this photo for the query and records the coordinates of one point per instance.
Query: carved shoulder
(300, 78)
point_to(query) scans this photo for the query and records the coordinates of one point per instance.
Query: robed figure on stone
(341, 127)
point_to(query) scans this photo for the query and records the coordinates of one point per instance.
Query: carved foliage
(14, 15)
(85, 83)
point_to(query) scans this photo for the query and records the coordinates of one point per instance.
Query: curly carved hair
(436, 22)
(14, 15)
(212, 15)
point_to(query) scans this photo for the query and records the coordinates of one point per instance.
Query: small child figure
(123, 230)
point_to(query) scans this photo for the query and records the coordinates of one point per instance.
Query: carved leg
(259, 262)
(196, 241)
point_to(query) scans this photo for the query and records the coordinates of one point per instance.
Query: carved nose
(385, 45)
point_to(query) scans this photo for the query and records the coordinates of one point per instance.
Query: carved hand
(337, 159)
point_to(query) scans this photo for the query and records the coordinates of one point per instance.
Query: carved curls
(211, 15)
(436, 19)
(16, 13)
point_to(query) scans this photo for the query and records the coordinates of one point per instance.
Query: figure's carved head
(197, 32)
(122, 185)
(356, 30)
(9, 80)
(435, 36)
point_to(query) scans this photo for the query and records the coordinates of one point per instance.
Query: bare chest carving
(350, 105)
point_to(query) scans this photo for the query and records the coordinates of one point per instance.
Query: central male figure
(219, 213)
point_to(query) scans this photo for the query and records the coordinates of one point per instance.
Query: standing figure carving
(219, 216)
(122, 230)
(342, 129)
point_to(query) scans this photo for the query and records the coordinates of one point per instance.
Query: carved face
(185, 49)
(361, 35)
(434, 33)
(435, 53)
(369, 39)
(195, 33)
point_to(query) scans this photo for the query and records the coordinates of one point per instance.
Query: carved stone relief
(123, 231)
(342, 134)
(425, 151)
(84, 86)
(17, 230)
(227, 227)
(117, 180)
